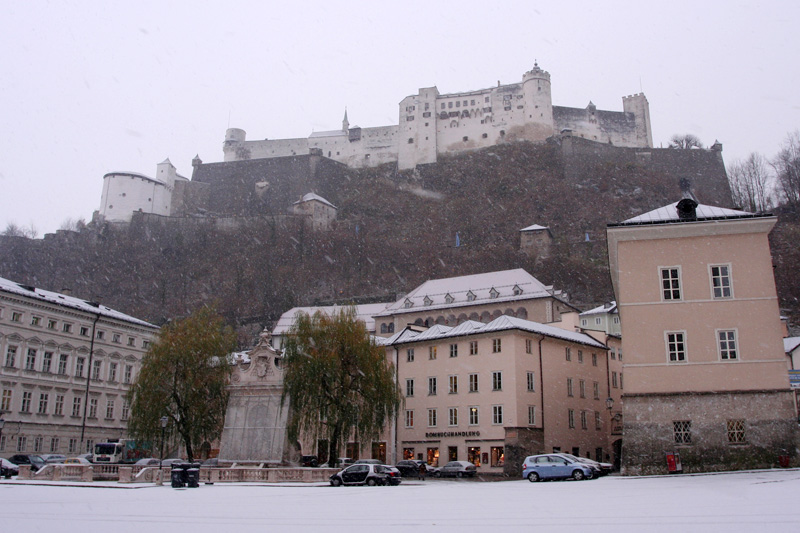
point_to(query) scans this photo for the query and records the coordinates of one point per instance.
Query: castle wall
(241, 150)
(126, 192)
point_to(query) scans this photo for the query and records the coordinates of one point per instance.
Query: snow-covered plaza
(744, 501)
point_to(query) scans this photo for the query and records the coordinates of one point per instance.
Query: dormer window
(449, 299)
(517, 290)
(408, 304)
(427, 301)
(470, 296)
(493, 293)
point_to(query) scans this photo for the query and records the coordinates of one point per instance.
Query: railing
(150, 474)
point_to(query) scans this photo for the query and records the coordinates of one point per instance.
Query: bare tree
(685, 141)
(15, 230)
(750, 182)
(72, 224)
(787, 168)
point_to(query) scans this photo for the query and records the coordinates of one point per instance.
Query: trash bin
(674, 463)
(178, 476)
(783, 460)
(192, 475)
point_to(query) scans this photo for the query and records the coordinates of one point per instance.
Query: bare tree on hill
(750, 181)
(686, 141)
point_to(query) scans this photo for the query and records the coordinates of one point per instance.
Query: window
(37, 444)
(116, 338)
(16, 316)
(43, 399)
(409, 418)
(473, 415)
(473, 347)
(497, 414)
(596, 390)
(473, 382)
(594, 359)
(496, 345)
(431, 418)
(27, 396)
(727, 344)
(431, 386)
(531, 415)
(454, 350)
(92, 407)
(22, 443)
(531, 382)
(583, 420)
(59, 409)
(571, 418)
(73, 445)
(682, 430)
(83, 331)
(89, 446)
(126, 409)
(580, 356)
(409, 387)
(5, 402)
(30, 360)
(568, 352)
(76, 406)
(145, 344)
(498, 457)
(410, 355)
(53, 444)
(721, 281)
(79, 367)
(51, 324)
(11, 356)
(47, 362)
(569, 387)
(613, 353)
(452, 416)
(131, 341)
(449, 298)
(736, 433)
(614, 380)
(66, 328)
(598, 424)
(470, 296)
(676, 346)
(96, 367)
(582, 388)
(62, 364)
(432, 352)
(110, 409)
(36, 321)
(670, 283)
(620, 381)
(112, 372)
(453, 384)
(126, 378)
(427, 300)
(497, 381)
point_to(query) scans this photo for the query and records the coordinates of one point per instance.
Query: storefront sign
(453, 434)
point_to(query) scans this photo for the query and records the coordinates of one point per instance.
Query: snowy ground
(748, 501)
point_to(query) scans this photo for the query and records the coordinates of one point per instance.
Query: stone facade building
(67, 365)
(705, 369)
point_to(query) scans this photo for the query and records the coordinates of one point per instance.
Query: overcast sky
(90, 87)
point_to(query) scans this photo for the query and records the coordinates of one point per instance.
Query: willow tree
(337, 380)
(184, 377)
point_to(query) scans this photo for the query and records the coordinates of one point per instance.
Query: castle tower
(538, 104)
(638, 105)
(234, 140)
(345, 122)
(417, 143)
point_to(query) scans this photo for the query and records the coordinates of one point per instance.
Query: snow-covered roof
(364, 312)
(610, 307)
(311, 196)
(790, 344)
(68, 301)
(669, 213)
(535, 227)
(502, 323)
(332, 133)
(476, 289)
(135, 175)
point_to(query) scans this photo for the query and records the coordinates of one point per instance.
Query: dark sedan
(35, 461)
(365, 474)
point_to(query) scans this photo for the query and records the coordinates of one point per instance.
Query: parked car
(368, 462)
(410, 468)
(77, 461)
(35, 461)
(393, 474)
(53, 458)
(147, 461)
(8, 469)
(309, 461)
(600, 469)
(458, 469)
(362, 474)
(554, 466)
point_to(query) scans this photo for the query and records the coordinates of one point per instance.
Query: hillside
(394, 230)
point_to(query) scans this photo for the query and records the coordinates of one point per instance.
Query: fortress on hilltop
(433, 124)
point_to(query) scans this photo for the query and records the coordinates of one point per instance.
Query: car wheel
(437, 474)
(577, 475)
(371, 482)
(533, 477)
(336, 482)
(460, 474)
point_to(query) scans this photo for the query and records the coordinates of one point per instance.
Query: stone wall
(519, 444)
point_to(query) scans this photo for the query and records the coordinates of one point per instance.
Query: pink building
(705, 370)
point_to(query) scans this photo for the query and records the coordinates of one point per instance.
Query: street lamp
(164, 421)
(609, 403)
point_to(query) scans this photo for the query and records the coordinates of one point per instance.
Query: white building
(432, 124)
(50, 343)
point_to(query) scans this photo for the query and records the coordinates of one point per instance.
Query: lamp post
(609, 403)
(164, 421)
